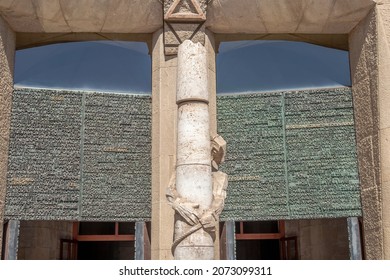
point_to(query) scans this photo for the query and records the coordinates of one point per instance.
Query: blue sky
(244, 66)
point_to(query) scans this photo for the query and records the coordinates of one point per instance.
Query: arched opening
(80, 151)
(285, 110)
(259, 66)
(113, 66)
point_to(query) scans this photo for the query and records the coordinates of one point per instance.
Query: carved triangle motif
(181, 11)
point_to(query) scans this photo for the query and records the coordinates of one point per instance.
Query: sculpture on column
(197, 190)
(209, 218)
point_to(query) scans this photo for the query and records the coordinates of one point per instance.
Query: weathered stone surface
(384, 118)
(364, 72)
(193, 165)
(284, 16)
(7, 53)
(164, 130)
(285, 153)
(79, 156)
(112, 16)
(116, 171)
(183, 20)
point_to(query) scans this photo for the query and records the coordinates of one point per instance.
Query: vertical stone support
(212, 89)
(355, 249)
(370, 68)
(139, 240)
(383, 14)
(7, 54)
(164, 119)
(193, 169)
(230, 240)
(164, 137)
(12, 240)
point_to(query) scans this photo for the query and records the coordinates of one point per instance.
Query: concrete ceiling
(224, 16)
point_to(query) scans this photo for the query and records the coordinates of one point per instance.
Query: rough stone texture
(286, 16)
(224, 16)
(7, 53)
(40, 240)
(118, 16)
(193, 165)
(384, 117)
(79, 156)
(164, 131)
(320, 239)
(364, 71)
(285, 153)
(176, 33)
(116, 176)
(44, 161)
(192, 79)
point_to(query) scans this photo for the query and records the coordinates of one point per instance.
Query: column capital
(183, 20)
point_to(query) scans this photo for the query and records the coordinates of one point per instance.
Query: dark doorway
(268, 249)
(106, 250)
(259, 240)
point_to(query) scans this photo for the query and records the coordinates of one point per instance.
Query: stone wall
(364, 72)
(7, 54)
(79, 156)
(291, 155)
(83, 155)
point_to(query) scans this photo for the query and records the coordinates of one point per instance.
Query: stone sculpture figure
(207, 219)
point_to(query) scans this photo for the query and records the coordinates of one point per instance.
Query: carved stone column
(196, 191)
(193, 169)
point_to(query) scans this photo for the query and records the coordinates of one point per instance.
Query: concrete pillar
(193, 169)
(7, 54)
(164, 119)
(370, 66)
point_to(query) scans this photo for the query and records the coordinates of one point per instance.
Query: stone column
(384, 117)
(193, 166)
(164, 119)
(7, 54)
(370, 68)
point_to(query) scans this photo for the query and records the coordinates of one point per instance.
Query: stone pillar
(370, 68)
(164, 137)
(212, 89)
(7, 54)
(193, 169)
(12, 240)
(363, 46)
(164, 119)
(383, 13)
(355, 247)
